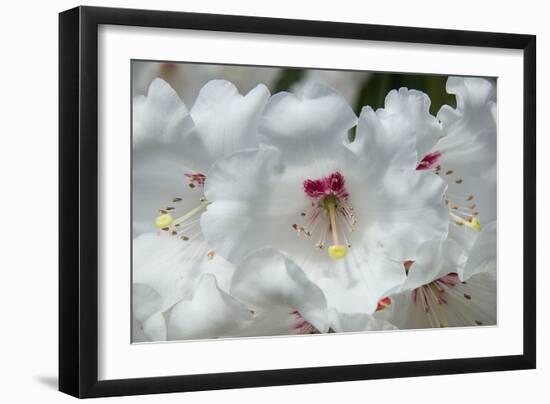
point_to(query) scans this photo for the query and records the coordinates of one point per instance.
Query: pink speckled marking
(333, 184)
(429, 161)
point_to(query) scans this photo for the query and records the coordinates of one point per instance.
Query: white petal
(307, 127)
(146, 310)
(245, 209)
(356, 322)
(268, 281)
(400, 210)
(356, 283)
(172, 266)
(210, 313)
(348, 83)
(412, 109)
(137, 332)
(434, 259)
(395, 136)
(225, 122)
(145, 301)
(469, 144)
(154, 327)
(155, 114)
(483, 255)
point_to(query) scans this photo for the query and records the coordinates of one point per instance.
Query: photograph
(284, 201)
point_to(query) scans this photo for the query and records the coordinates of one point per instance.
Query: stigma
(331, 217)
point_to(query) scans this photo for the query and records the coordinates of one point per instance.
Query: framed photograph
(252, 201)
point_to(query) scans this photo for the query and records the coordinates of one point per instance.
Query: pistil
(166, 220)
(337, 250)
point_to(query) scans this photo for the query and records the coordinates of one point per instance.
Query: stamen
(471, 222)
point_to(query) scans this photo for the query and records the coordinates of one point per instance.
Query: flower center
(446, 295)
(462, 206)
(433, 296)
(329, 208)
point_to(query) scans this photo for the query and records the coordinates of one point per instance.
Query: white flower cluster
(256, 215)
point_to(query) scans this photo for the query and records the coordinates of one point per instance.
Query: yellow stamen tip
(337, 252)
(163, 221)
(475, 224)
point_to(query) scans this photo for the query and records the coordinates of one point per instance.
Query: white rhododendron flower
(444, 289)
(348, 213)
(465, 157)
(465, 154)
(174, 148)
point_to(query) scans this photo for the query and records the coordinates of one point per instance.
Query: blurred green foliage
(376, 87)
(287, 78)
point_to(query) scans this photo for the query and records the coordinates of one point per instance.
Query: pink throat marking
(333, 184)
(301, 325)
(195, 179)
(429, 161)
(441, 284)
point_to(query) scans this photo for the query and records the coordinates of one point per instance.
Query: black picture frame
(78, 196)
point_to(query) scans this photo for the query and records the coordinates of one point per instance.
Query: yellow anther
(337, 252)
(474, 224)
(163, 221)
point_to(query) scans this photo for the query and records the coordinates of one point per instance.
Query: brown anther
(459, 223)
(459, 181)
(191, 185)
(303, 214)
(449, 172)
(473, 206)
(174, 233)
(170, 208)
(211, 254)
(165, 228)
(467, 296)
(176, 200)
(479, 322)
(295, 226)
(184, 238)
(470, 198)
